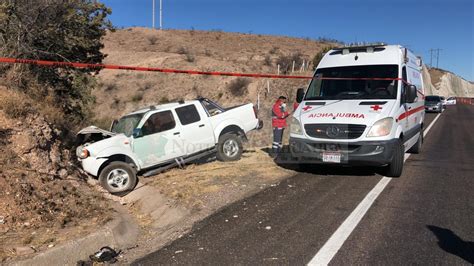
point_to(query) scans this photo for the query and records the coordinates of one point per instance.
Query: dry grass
(16, 104)
(192, 185)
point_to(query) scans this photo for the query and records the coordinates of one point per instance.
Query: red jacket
(278, 115)
(295, 106)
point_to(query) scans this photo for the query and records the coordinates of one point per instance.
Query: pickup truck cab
(364, 106)
(153, 139)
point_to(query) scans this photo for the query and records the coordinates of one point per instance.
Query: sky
(420, 25)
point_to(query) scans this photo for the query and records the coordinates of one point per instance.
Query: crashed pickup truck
(149, 141)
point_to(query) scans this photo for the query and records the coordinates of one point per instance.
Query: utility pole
(431, 57)
(161, 14)
(153, 14)
(436, 56)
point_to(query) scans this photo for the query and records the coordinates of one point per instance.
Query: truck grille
(334, 131)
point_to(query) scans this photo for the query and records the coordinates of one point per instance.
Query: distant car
(451, 101)
(443, 101)
(433, 103)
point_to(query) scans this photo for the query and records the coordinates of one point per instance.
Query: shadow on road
(452, 243)
(285, 160)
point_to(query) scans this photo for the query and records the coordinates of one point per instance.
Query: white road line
(335, 242)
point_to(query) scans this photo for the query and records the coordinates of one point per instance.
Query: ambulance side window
(403, 85)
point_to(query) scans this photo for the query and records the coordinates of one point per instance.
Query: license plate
(331, 157)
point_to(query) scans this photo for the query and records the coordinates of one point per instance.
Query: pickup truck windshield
(126, 124)
(354, 82)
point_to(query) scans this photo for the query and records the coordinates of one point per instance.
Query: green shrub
(239, 86)
(152, 40)
(138, 96)
(164, 100)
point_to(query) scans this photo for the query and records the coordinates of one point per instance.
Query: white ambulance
(364, 106)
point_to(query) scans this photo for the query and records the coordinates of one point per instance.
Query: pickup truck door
(196, 132)
(157, 141)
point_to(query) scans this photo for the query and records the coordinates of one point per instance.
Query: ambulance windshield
(354, 82)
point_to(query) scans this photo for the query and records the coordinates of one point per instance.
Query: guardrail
(465, 100)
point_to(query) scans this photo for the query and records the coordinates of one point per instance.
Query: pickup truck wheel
(229, 148)
(118, 178)
(395, 168)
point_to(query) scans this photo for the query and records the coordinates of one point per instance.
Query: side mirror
(299, 95)
(411, 94)
(137, 133)
(113, 124)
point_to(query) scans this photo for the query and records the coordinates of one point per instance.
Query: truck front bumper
(375, 153)
(92, 165)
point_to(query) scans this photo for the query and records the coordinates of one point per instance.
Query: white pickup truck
(151, 140)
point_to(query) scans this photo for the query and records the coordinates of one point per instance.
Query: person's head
(282, 99)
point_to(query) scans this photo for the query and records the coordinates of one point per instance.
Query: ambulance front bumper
(375, 153)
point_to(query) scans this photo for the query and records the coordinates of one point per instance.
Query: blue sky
(418, 24)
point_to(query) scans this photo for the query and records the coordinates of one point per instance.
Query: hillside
(123, 91)
(44, 200)
(447, 84)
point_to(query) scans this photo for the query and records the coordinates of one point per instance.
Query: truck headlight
(84, 153)
(295, 126)
(381, 128)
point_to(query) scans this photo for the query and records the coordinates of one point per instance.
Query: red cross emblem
(306, 108)
(376, 107)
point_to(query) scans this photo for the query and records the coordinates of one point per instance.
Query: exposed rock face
(452, 85)
(440, 82)
(41, 192)
(427, 83)
(36, 143)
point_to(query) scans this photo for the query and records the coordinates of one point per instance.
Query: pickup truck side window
(188, 114)
(212, 108)
(158, 122)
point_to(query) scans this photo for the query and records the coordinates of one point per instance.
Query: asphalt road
(425, 216)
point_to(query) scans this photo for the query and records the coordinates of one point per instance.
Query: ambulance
(364, 106)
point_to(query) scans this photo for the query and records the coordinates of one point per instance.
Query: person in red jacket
(279, 115)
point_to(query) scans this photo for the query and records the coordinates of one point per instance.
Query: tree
(59, 31)
(317, 57)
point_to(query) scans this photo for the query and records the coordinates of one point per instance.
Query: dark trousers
(277, 140)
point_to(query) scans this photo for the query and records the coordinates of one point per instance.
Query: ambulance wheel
(416, 149)
(395, 168)
(229, 148)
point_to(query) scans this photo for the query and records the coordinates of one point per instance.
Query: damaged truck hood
(96, 130)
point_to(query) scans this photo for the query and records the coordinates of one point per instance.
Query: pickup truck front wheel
(118, 178)
(229, 148)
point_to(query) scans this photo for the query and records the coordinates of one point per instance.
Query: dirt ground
(208, 185)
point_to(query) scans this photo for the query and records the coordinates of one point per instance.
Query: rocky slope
(43, 199)
(448, 84)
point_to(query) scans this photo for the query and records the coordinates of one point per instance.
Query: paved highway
(351, 215)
